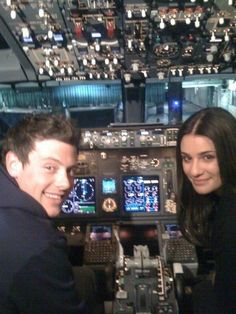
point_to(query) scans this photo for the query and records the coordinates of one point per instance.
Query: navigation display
(141, 194)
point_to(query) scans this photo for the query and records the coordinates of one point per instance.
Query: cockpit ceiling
(129, 40)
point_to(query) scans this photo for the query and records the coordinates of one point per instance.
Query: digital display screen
(173, 230)
(141, 194)
(96, 35)
(27, 40)
(58, 37)
(82, 198)
(108, 186)
(100, 232)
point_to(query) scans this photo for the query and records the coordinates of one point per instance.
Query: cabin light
(129, 14)
(213, 37)
(130, 45)
(227, 57)
(221, 20)
(50, 33)
(210, 57)
(97, 46)
(25, 32)
(115, 60)
(93, 61)
(197, 22)
(13, 13)
(226, 37)
(162, 24)
(143, 13)
(50, 72)
(172, 21)
(188, 20)
(127, 77)
(62, 70)
(70, 70)
(56, 62)
(41, 70)
(41, 11)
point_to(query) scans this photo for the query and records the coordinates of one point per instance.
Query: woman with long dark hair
(206, 172)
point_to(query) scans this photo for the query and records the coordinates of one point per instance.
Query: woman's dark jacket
(224, 249)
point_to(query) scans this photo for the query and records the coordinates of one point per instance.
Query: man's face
(48, 176)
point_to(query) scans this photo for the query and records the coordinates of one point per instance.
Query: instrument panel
(120, 217)
(124, 174)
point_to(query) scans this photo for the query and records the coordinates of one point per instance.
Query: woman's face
(200, 163)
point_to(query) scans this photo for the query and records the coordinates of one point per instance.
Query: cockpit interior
(128, 73)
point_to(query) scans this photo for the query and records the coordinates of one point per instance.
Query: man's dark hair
(21, 138)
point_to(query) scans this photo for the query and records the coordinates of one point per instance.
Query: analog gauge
(109, 205)
(67, 207)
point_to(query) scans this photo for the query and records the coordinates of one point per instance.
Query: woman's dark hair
(195, 211)
(22, 137)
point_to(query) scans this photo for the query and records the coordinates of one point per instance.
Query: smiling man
(50, 169)
(39, 156)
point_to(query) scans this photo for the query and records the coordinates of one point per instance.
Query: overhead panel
(127, 40)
